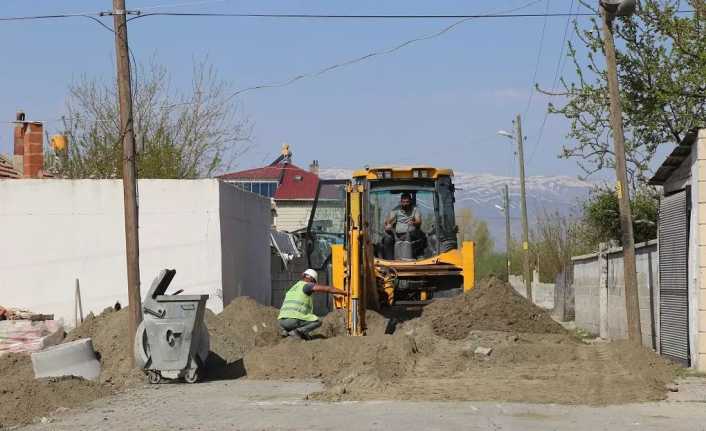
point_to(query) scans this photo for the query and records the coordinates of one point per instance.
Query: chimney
(314, 167)
(19, 142)
(33, 156)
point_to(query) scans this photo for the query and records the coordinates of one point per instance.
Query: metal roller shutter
(674, 277)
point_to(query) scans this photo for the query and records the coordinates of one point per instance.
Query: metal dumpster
(172, 341)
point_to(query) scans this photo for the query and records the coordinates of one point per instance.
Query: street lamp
(619, 7)
(611, 9)
(506, 134)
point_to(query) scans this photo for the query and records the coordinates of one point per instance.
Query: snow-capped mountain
(483, 194)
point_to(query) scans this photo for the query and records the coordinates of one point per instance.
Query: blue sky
(438, 101)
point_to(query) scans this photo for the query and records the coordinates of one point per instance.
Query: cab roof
(401, 172)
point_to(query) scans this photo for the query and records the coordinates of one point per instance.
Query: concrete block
(702, 191)
(702, 253)
(701, 343)
(701, 363)
(702, 321)
(76, 358)
(483, 351)
(702, 299)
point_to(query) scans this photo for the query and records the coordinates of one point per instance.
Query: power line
(313, 16)
(559, 69)
(539, 58)
(359, 17)
(369, 55)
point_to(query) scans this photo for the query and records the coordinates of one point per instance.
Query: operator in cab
(296, 317)
(403, 222)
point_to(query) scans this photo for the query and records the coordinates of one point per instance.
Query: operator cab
(431, 200)
(412, 218)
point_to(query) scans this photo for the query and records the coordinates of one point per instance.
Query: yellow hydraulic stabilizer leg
(356, 300)
(469, 265)
(338, 273)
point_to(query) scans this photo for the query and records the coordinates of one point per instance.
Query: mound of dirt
(242, 325)
(386, 357)
(334, 324)
(492, 306)
(109, 332)
(22, 398)
(436, 356)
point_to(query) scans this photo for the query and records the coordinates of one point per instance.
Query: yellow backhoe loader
(353, 236)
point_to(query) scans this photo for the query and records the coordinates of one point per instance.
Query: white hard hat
(311, 273)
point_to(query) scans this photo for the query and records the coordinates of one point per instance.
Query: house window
(263, 188)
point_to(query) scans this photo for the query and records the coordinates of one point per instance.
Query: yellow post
(356, 309)
(338, 273)
(469, 265)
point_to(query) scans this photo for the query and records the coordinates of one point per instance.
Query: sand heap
(109, 332)
(22, 398)
(433, 357)
(492, 306)
(430, 357)
(242, 325)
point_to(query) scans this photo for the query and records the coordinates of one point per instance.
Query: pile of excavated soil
(242, 325)
(493, 306)
(434, 357)
(22, 398)
(334, 324)
(109, 332)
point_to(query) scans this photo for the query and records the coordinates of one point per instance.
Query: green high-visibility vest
(297, 304)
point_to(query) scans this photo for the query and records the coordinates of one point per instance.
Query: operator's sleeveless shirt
(402, 218)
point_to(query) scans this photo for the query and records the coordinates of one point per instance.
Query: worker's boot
(295, 335)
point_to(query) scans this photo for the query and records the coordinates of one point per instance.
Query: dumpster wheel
(154, 377)
(193, 375)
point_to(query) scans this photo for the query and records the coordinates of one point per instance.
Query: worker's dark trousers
(302, 326)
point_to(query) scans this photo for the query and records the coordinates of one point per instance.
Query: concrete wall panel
(54, 231)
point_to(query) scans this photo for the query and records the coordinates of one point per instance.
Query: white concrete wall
(697, 258)
(54, 231)
(600, 298)
(245, 220)
(542, 293)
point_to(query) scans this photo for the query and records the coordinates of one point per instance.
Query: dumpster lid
(161, 283)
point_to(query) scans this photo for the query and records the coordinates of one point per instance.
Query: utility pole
(523, 202)
(632, 304)
(507, 231)
(127, 136)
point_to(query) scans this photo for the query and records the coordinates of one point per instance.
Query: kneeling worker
(296, 317)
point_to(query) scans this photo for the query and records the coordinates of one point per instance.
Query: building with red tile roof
(292, 188)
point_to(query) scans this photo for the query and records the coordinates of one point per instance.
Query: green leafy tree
(601, 216)
(661, 58)
(177, 135)
(473, 229)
